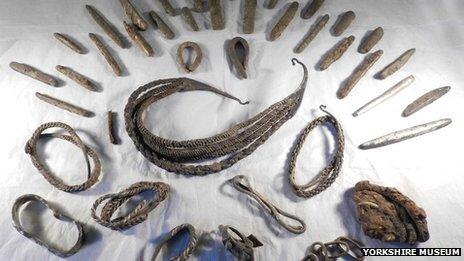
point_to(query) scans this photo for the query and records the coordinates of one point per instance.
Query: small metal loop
(198, 56)
(57, 214)
(354, 246)
(242, 184)
(239, 65)
(188, 250)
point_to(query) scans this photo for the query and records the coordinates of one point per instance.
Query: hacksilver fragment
(358, 73)
(312, 33)
(311, 8)
(70, 43)
(108, 28)
(396, 64)
(425, 100)
(77, 78)
(371, 40)
(161, 25)
(34, 73)
(342, 24)
(134, 15)
(135, 35)
(284, 21)
(249, 16)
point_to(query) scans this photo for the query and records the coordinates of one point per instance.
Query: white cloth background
(428, 169)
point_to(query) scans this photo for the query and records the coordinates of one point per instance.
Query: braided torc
(236, 143)
(136, 216)
(57, 214)
(241, 247)
(187, 252)
(242, 184)
(328, 175)
(31, 149)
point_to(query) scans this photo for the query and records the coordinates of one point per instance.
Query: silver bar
(405, 134)
(385, 96)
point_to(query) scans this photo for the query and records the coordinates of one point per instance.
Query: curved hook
(323, 108)
(305, 73)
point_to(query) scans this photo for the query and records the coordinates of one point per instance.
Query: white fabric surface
(428, 169)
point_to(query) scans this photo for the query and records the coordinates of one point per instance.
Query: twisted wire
(241, 247)
(187, 252)
(242, 184)
(138, 214)
(31, 149)
(236, 143)
(328, 175)
(57, 214)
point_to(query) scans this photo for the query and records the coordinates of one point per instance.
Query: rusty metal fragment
(198, 56)
(106, 54)
(312, 33)
(311, 8)
(64, 105)
(284, 21)
(77, 77)
(405, 134)
(189, 19)
(161, 25)
(134, 15)
(240, 65)
(108, 28)
(111, 129)
(425, 100)
(335, 53)
(385, 96)
(34, 73)
(371, 40)
(388, 215)
(249, 16)
(200, 6)
(70, 43)
(343, 23)
(138, 39)
(396, 64)
(271, 4)
(217, 20)
(168, 8)
(358, 73)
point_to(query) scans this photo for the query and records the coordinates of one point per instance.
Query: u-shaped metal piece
(239, 65)
(199, 55)
(57, 214)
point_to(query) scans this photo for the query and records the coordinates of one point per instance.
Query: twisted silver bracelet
(136, 216)
(31, 149)
(328, 175)
(17, 225)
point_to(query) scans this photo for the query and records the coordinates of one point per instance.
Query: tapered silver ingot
(405, 134)
(385, 96)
